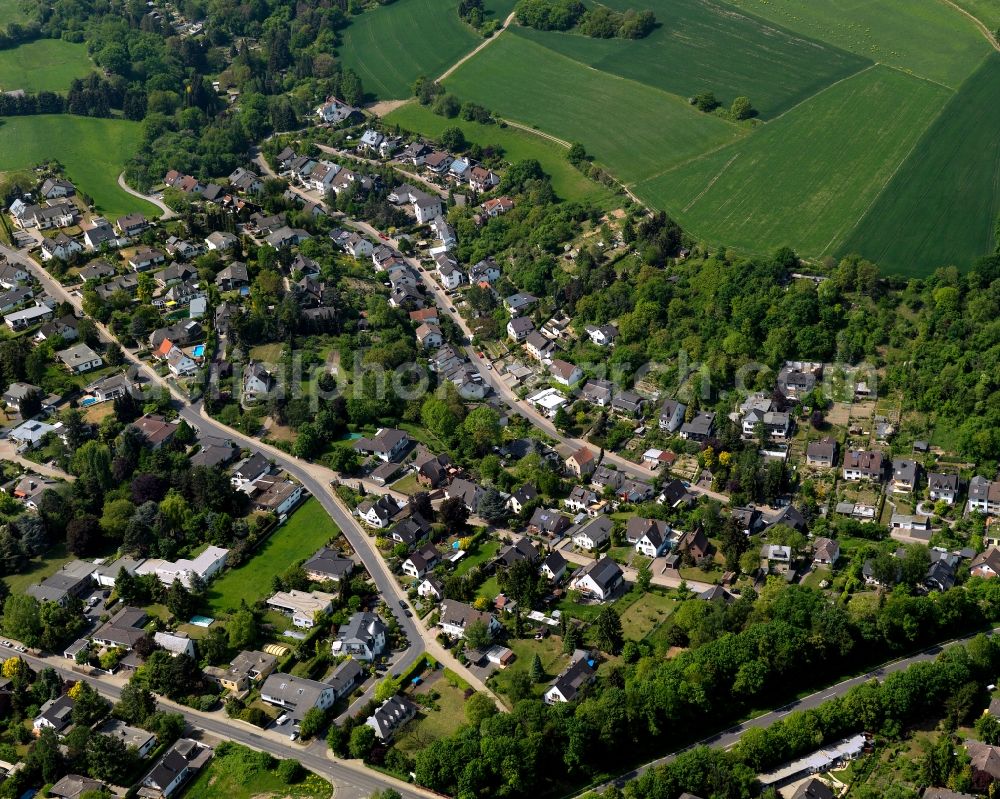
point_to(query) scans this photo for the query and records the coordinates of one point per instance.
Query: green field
(44, 65)
(631, 128)
(703, 45)
(923, 36)
(517, 145)
(986, 11)
(92, 151)
(393, 45)
(307, 529)
(807, 178)
(941, 206)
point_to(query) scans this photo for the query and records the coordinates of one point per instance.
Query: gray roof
(574, 678)
(329, 562)
(603, 571)
(344, 676)
(598, 529)
(298, 692)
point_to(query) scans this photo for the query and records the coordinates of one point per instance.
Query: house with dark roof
(177, 765)
(700, 428)
(363, 637)
(591, 534)
(943, 487)
(378, 512)
(418, 563)
(390, 716)
(987, 563)
(547, 521)
(554, 566)
(522, 549)
(328, 565)
(822, 453)
(56, 715)
(123, 629)
(601, 579)
(571, 681)
(455, 618)
(469, 492)
(387, 444)
(863, 465)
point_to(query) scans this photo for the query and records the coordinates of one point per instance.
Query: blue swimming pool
(199, 350)
(88, 401)
(201, 621)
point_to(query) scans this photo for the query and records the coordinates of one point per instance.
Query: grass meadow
(925, 37)
(517, 145)
(12, 11)
(307, 529)
(702, 45)
(806, 179)
(393, 45)
(941, 207)
(93, 152)
(44, 65)
(986, 11)
(630, 127)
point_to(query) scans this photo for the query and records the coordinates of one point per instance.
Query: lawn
(645, 614)
(237, 774)
(93, 152)
(268, 353)
(408, 485)
(942, 205)
(486, 552)
(806, 179)
(44, 65)
(308, 529)
(549, 650)
(631, 128)
(925, 37)
(434, 723)
(703, 45)
(393, 45)
(41, 568)
(517, 145)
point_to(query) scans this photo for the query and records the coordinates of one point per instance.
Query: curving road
(166, 213)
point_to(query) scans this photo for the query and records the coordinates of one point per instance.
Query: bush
(291, 772)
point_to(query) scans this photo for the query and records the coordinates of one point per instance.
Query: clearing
(438, 718)
(308, 529)
(806, 179)
(517, 145)
(44, 65)
(391, 46)
(630, 127)
(645, 614)
(92, 151)
(702, 45)
(941, 207)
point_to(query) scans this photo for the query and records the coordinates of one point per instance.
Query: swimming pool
(201, 621)
(88, 401)
(199, 350)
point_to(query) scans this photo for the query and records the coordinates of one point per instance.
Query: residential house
(73, 580)
(214, 452)
(455, 618)
(29, 490)
(522, 549)
(429, 336)
(387, 444)
(984, 495)
(333, 112)
(796, 379)
(553, 567)
(418, 563)
(31, 433)
(469, 492)
(60, 247)
(245, 180)
(257, 381)
(602, 335)
(538, 346)
(647, 533)
(180, 333)
(826, 551)
(156, 430)
(565, 373)
(431, 588)
(296, 695)
(482, 180)
(628, 403)
(582, 500)
(700, 428)
(606, 477)
(56, 715)
(277, 496)
(486, 271)
(177, 765)
(520, 303)
(601, 579)
(904, 475)
(232, 277)
(986, 564)
(545, 521)
(863, 465)
(73, 786)
(943, 487)
(497, 206)
(438, 162)
(123, 629)
(145, 258)
(79, 359)
(179, 643)
(54, 188)
(249, 470)
(525, 494)
(246, 669)
(378, 512)
(99, 233)
(363, 637)
(304, 607)
(582, 463)
(393, 713)
(21, 320)
(694, 544)
(346, 677)
(18, 392)
(65, 328)
(571, 681)
(124, 284)
(519, 328)
(203, 567)
(328, 565)
(591, 534)
(822, 453)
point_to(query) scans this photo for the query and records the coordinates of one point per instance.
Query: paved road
(730, 737)
(351, 779)
(166, 212)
